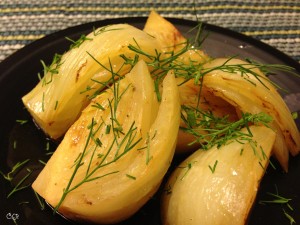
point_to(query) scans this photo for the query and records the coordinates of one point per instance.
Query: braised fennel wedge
(218, 186)
(74, 77)
(230, 87)
(249, 90)
(113, 159)
(165, 32)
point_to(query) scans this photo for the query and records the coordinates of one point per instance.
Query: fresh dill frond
(210, 130)
(131, 177)
(52, 69)
(161, 63)
(115, 75)
(21, 122)
(272, 69)
(200, 36)
(283, 202)
(295, 115)
(40, 200)
(19, 186)
(148, 154)
(187, 168)
(77, 43)
(289, 217)
(213, 168)
(10, 175)
(104, 29)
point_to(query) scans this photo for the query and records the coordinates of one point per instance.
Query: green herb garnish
(18, 187)
(283, 202)
(213, 168)
(210, 130)
(16, 167)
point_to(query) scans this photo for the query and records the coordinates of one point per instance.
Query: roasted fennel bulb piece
(114, 157)
(73, 78)
(164, 31)
(245, 87)
(234, 87)
(218, 186)
(173, 41)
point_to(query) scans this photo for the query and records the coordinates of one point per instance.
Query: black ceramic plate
(20, 142)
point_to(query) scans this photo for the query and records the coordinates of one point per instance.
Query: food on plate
(165, 32)
(105, 176)
(255, 93)
(245, 89)
(218, 186)
(125, 100)
(73, 78)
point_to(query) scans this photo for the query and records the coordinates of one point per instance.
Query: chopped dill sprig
(272, 69)
(130, 61)
(47, 146)
(52, 69)
(98, 106)
(295, 115)
(87, 89)
(43, 102)
(77, 43)
(199, 37)
(131, 177)
(21, 122)
(277, 199)
(14, 170)
(147, 147)
(22, 203)
(210, 130)
(159, 64)
(42, 162)
(115, 75)
(56, 104)
(283, 201)
(289, 217)
(40, 200)
(213, 168)
(148, 156)
(18, 187)
(49, 153)
(103, 29)
(187, 168)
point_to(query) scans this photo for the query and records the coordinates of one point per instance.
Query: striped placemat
(275, 22)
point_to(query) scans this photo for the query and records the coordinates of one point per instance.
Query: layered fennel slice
(231, 87)
(218, 186)
(165, 32)
(114, 157)
(73, 78)
(245, 87)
